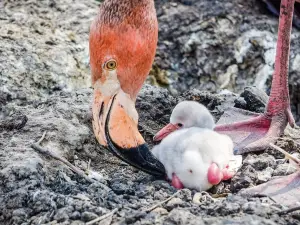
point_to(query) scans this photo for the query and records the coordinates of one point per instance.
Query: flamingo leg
(261, 130)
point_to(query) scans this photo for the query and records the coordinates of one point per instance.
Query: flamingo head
(187, 114)
(123, 40)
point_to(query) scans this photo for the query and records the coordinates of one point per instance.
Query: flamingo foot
(255, 131)
(284, 190)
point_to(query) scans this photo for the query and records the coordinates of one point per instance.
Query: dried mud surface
(44, 77)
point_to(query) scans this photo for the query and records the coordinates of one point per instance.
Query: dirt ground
(45, 87)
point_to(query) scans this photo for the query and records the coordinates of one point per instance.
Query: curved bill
(119, 131)
(164, 132)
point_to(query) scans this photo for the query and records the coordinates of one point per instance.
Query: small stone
(186, 195)
(101, 211)
(284, 170)
(243, 179)
(95, 175)
(132, 218)
(88, 216)
(75, 215)
(121, 188)
(173, 203)
(18, 216)
(236, 199)
(249, 207)
(255, 98)
(219, 188)
(260, 162)
(183, 217)
(225, 208)
(240, 103)
(62, 214)
(264, 176)
(161, 184)
(19, 212)
(82, 197)
(161, 211)
(145, 190)
(197, 198)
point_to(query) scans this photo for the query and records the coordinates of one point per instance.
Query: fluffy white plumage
(190, 151)
(192, 114)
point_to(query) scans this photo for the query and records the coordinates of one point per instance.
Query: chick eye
(179, 124)
(110, 65)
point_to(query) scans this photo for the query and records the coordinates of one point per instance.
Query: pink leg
(284, 190)
(226, 174)
(278, 113)
(176, 182)
(214, 174)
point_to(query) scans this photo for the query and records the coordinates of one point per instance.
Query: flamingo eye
(179, 124)
(110, 65)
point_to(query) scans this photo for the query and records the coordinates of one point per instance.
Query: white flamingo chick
(195, 158)
(187, 114)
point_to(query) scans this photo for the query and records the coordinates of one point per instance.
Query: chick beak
(164, 132)
(115, 126)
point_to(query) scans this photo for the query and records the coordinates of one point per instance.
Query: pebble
(173, 203)
(264, 176)
(245, 178)
(197, 198)
(88, 216)
(260, 162)
(183, 217)
(283, 170)
(161, 211)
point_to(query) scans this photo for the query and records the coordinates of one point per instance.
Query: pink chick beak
(164, 132)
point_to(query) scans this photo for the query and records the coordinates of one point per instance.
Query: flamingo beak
(164, 132)
(115, 126)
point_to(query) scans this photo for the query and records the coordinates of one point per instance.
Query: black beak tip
(145, 160)
(139, 157)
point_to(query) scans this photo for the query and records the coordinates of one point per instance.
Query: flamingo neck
(117, 11)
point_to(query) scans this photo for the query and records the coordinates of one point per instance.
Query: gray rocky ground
(45, 86)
